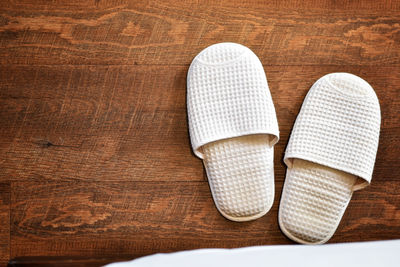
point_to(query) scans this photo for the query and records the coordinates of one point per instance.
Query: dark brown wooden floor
(94, 150)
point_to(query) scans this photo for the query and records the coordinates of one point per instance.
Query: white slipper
(331, 153)
(233, 127)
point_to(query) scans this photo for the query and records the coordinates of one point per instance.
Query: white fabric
(228, 96)
(240, 172)
(366, 254)
(331, 153)
(313, 201)
(338, 126)
(233, 128)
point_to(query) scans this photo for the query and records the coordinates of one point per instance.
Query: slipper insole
(313, 201)
(241, 176)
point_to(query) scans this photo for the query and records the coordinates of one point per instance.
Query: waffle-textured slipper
(331, 153)
(233, 127)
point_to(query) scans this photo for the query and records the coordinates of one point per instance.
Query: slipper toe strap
(229, 100)
(337, 130)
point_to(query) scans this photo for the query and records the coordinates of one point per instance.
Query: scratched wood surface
(95, 158)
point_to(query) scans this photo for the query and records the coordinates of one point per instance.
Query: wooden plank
(116, 219)
(165, 33)
(4, 222)
(373, 213)
(45, 261)
(110, 123)
(136, 218)
(74, 6)
(127, 124)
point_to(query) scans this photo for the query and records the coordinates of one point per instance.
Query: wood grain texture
(140, 217)
(172, 32)
(62, 261)
(129, 123)
(95, 158)
(150, 217)
(5, 191)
